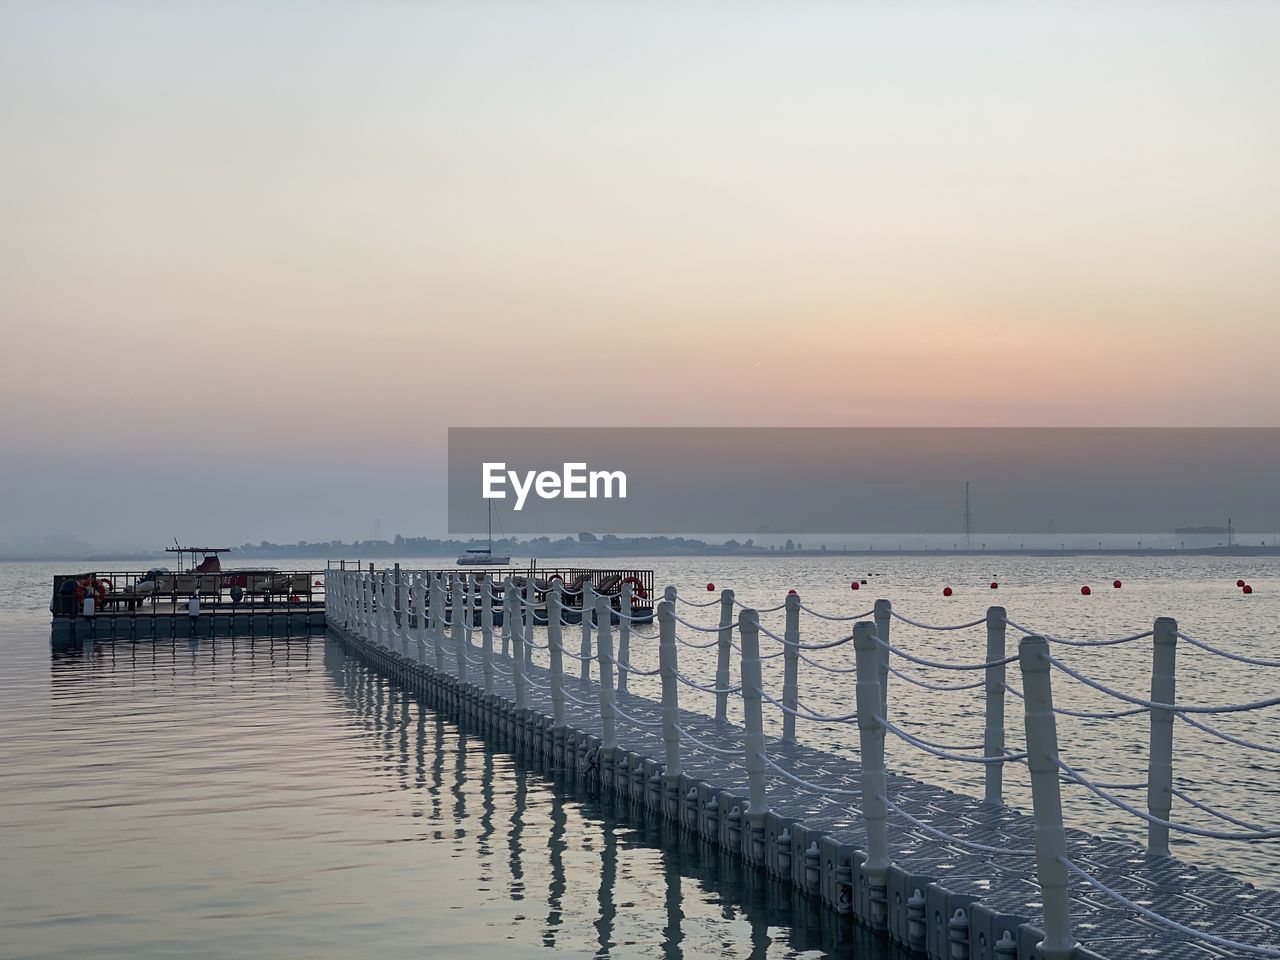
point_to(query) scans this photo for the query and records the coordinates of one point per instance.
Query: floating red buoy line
(711, 588)
(1239, 583)
(947, 591)
(1085, 591)
(1246, 589)
(994, 585)
(1116, 584)
(854, 586)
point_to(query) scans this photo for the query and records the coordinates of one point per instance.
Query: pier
(944, 874)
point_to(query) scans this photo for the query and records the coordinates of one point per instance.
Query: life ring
(641, 592)
(99, 587)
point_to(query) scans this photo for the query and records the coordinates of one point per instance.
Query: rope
(940, 687)
(1095, 789)
(1223, 735)
(694, 626)
(1238, 657)
(945, 753)
(823, 666)
(694, 603)
(1152, 705)
(805, 646)
(934, 626)
(696, 646)
(806, 784)
(582, 703)
(632, 720)
(697, 686)
(950, 838)
(807, 714)
(638, 672)
(1152, 915)
(1077, 643)
(702, 745)
(575, 656)
(828, 616)
(1085, 714)
(942, 665)
(1214, 812)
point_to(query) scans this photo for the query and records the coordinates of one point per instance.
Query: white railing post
(753, 731)
(791, 667)
(993, 732)
(555, 650)
(484, 596)
(604, 645)
(871, 731)
(420, 617)
(511, 615)
(386, 617)
(362, 624)
(668, 664)
(882, 615)
(508, 586)
(624, 634)
(399, 629)
(1164, 657)
(724, 647)
(456, 607)
(530, 620)
(1046, 798)
(437, 618)
(588, 605)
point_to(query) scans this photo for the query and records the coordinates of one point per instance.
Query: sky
(255, 259)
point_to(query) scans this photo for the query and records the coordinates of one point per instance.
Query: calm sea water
(274, 798)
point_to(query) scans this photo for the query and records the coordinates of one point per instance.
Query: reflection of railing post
(1164, 656)
(753, 731)
(604, 644)
(624, 634)
(882, 614)
(871, 745)
(588, 604)
(724, 648)
(556, 656)
(791, 667)
(511, 615)
(993, 735)
(668, 664)
(1046, 798)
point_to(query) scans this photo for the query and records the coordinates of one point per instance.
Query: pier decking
(958, 876)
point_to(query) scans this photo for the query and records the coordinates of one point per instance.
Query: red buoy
(1246, 589)
(1116, 584)
(1239, 583)
(854, 585)
(791, 593)
(1085, 591)
(994, 585)
(946, 591)
(711, 587)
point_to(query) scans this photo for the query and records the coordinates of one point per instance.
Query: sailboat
(483, 556)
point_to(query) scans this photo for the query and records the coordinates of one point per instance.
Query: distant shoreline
(709, 551)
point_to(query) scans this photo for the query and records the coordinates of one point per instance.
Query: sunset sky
(256, 258)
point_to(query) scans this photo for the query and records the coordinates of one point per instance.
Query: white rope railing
(943, 665)
(1078, 643)
(934, 626)
(1223, 735)
(1218, 651)
(952, 838)
(698, 686)
(703, 745)
(1250, 948)
(1085, 714)
(937, 687)
(808, 784)
(945, 753)
(805, 713)
(829, 616)
(1152, 705)
(1117, 802)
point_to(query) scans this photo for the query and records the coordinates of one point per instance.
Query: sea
(273, 797)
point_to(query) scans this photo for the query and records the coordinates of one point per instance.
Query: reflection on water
(276, 797)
